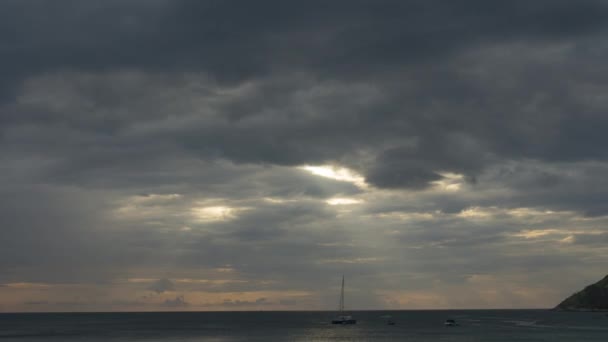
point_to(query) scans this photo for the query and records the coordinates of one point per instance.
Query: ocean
(415, 326)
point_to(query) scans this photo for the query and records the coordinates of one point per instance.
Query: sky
(244, 155)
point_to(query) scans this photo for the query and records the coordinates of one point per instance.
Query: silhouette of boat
(450, 323)
(342, 318)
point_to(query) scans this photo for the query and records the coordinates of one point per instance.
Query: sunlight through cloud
(343, 201)
(337, 173)
(449, 182)
(214, 213)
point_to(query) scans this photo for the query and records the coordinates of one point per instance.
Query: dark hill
(592, 297)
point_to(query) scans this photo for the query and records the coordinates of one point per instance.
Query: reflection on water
(473, 325)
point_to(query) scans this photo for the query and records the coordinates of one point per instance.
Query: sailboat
(342, 318)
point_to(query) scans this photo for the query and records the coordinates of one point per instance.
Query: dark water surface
(474, 325)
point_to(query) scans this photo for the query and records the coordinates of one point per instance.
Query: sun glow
(568, 233)
(351, 261)
(337, 173)
(342, 201)
(450, 182)
(214, 213)
(477, 213)
(536, 233)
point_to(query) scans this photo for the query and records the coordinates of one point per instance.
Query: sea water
(473, 325)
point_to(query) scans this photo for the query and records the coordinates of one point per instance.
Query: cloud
(162, 285)
(34, 302)
(245, 303)
(177, 302)
(411, 143)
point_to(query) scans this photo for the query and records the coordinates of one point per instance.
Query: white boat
(342, 318)
(450, 323)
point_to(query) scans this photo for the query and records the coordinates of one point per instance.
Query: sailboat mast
(342, 295)
(341, 318)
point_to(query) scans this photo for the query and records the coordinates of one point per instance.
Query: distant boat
(389, 319)
(450, 323)
(342, 318)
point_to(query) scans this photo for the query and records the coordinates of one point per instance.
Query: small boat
(450, 323)
(389, 319)
(342, 318)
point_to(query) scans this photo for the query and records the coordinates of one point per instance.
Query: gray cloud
(126, 126)
(162, 285)
(186, 35)
(243, 303)
(177, 302)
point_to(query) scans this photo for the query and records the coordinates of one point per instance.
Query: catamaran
(342, 318)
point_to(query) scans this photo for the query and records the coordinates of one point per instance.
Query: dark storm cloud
(119, 120)
(417, 41)
(236, 39)
(42, 228)
(270, 230)
(559, 186)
